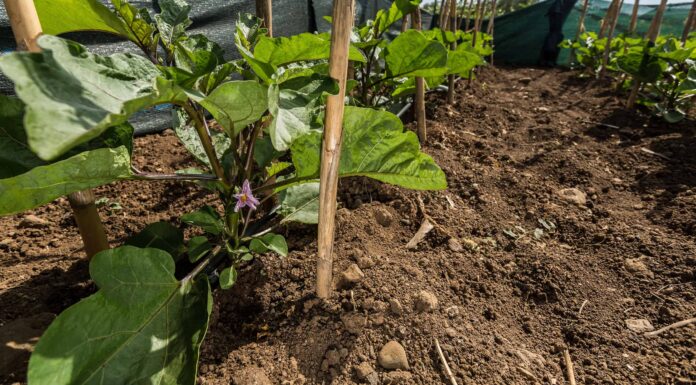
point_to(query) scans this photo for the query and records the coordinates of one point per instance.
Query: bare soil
(565, 217)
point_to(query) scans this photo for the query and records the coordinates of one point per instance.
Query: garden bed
(565, 216)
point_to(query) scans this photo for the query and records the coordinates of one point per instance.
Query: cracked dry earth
(569, 223)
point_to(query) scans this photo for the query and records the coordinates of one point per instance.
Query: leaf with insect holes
(228, 277)
(270, 241)
(141, 327)
(206, 218)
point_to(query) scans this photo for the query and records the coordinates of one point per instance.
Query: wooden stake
(264, 11)
(570, 370)
(608, 18)
(404, 23)
(443, 10)
(452, 28)
(343, 11)
(607, 48)
(491, 21)
(27, 28)
(690, 23)
(469, 13)
(419, 104)
(653, 33)
(634, 17)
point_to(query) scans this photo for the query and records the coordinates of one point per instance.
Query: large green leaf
(73, 96)
(295, 105)
(160, 235)
(43, 184)
(15, 156)
(300, 203)
(303, 47)
(237, 104)
(139, 24)
(461, 61)
(61, 16)
(644, 67)
(374, 145)
(142, 326)
(412, 54)
(206, 218)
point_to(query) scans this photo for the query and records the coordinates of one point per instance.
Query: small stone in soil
(365, 262)
(33, 221)
(354, 322)
(455, 245)
(639, 325)
(383, 216)
(573, 195)
(638, 267)
(366, 373)
(396, 307)
(350, 276)
(397, 377)
(426, 302)
(393, 356)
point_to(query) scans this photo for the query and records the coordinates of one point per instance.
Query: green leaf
(160, 235)
(412, 54)
(228, 277)
(645, 68)
(277, 167)
(397, 11)
(15, 156)
(206, 218)
(142, 326)
(270, 241)
(264, 153)
(83, 15)
(173, 20)
(197, 248)
(300, 203)
(374, 145)
(73, 96)
(139, 24)
(461, 61)
(303, 47)
(237, 104)
(188, 135)
(198, 55)
(43, 184)
(295, 106)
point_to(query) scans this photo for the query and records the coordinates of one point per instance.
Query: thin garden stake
(27, 28)
(606, 21)
(264, 10)
(443, 10)
(690, 23)
(491, 20)
(453, 28)
(343, 11)
(581, 27)
(480, 5)
(469, 12)
(653, 33)
(419, 105)
(607, 48)
(634, 17)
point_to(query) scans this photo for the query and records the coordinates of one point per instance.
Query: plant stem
(202, 265)
(204, 135)
(173, 177)
(283, 183)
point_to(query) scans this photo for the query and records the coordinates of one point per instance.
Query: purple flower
(245, 198)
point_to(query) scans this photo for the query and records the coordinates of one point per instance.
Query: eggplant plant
(391, 66)
(68, 130)
(668, 72)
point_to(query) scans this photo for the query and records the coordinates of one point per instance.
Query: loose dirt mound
(566, 216)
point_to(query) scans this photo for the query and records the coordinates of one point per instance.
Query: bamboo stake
(607, 48)
(608, 18)
(453, 28)
(480, 6)
(469, 13)
(264, 11)
(491, 21)
(27, 28)
(343, 11)
(443, 9)
(404, 23)
(690, 23)
(653, 33)
(634, 17)
(419, 105)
